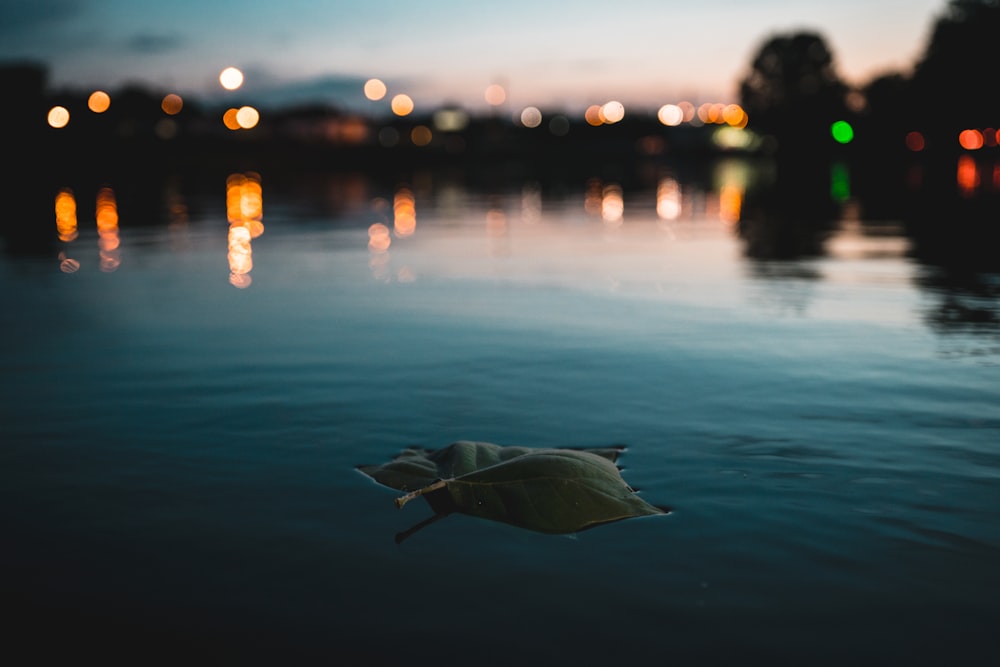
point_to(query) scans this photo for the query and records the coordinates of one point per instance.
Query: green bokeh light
(842, 132)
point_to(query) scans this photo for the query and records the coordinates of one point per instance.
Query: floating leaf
(546, 490)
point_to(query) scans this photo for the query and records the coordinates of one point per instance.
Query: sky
(566, 54)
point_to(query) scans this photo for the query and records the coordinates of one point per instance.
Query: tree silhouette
(793, 93)
(954, 83)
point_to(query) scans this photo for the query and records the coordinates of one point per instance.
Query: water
(178, 458)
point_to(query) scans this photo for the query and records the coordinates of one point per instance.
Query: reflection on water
(106, 218)
(107, 230)
(66, 223)
(808, 380)
(245, 211)
(784, 219)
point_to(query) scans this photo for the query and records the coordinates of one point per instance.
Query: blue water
(177, 473)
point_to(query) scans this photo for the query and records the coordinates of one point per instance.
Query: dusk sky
(550, 54)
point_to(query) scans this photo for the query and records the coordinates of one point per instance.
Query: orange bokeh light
(402, 105)
(99, 101)
(229, 119)
(172, 104)
(971, 140)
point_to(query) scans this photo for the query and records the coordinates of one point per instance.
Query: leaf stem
(402, 500)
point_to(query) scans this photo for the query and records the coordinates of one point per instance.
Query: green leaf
(546, 490)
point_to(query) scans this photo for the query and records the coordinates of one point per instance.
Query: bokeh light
(172, 104)
(247, 117)
(375, 89)
(402, 105)
(670, 115)
(531, 117)
(450, 120)
(559, 125)
(971, 140)
(734, 115)
(612, 112)
(842, 132)
(495, 95)
(99, 101)
(915, 141)
(229, 119)
(58, 117)
(421, 135)
(593, 115)
(688, 109)
(231, 78)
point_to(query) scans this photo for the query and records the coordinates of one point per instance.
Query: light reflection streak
(107, 230)
(612, 206)
(404, 213)
(967, 175)
(245, 212)
(668, 199)
(66, 222)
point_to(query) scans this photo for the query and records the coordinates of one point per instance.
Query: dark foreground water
(177, 468)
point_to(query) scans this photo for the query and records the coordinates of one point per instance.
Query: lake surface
(184, 406)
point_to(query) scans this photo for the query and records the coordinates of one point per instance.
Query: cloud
(153, 44)
(18, 18)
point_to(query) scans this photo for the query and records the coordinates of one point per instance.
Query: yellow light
(247, 117)
(58, 117)
(402, 105)
(375, 89)
(99, 101)
(670, 115)
(231, 78)
(451, 120)
(730, 203)
(172, 104)
(734, 116)
(495, 95)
